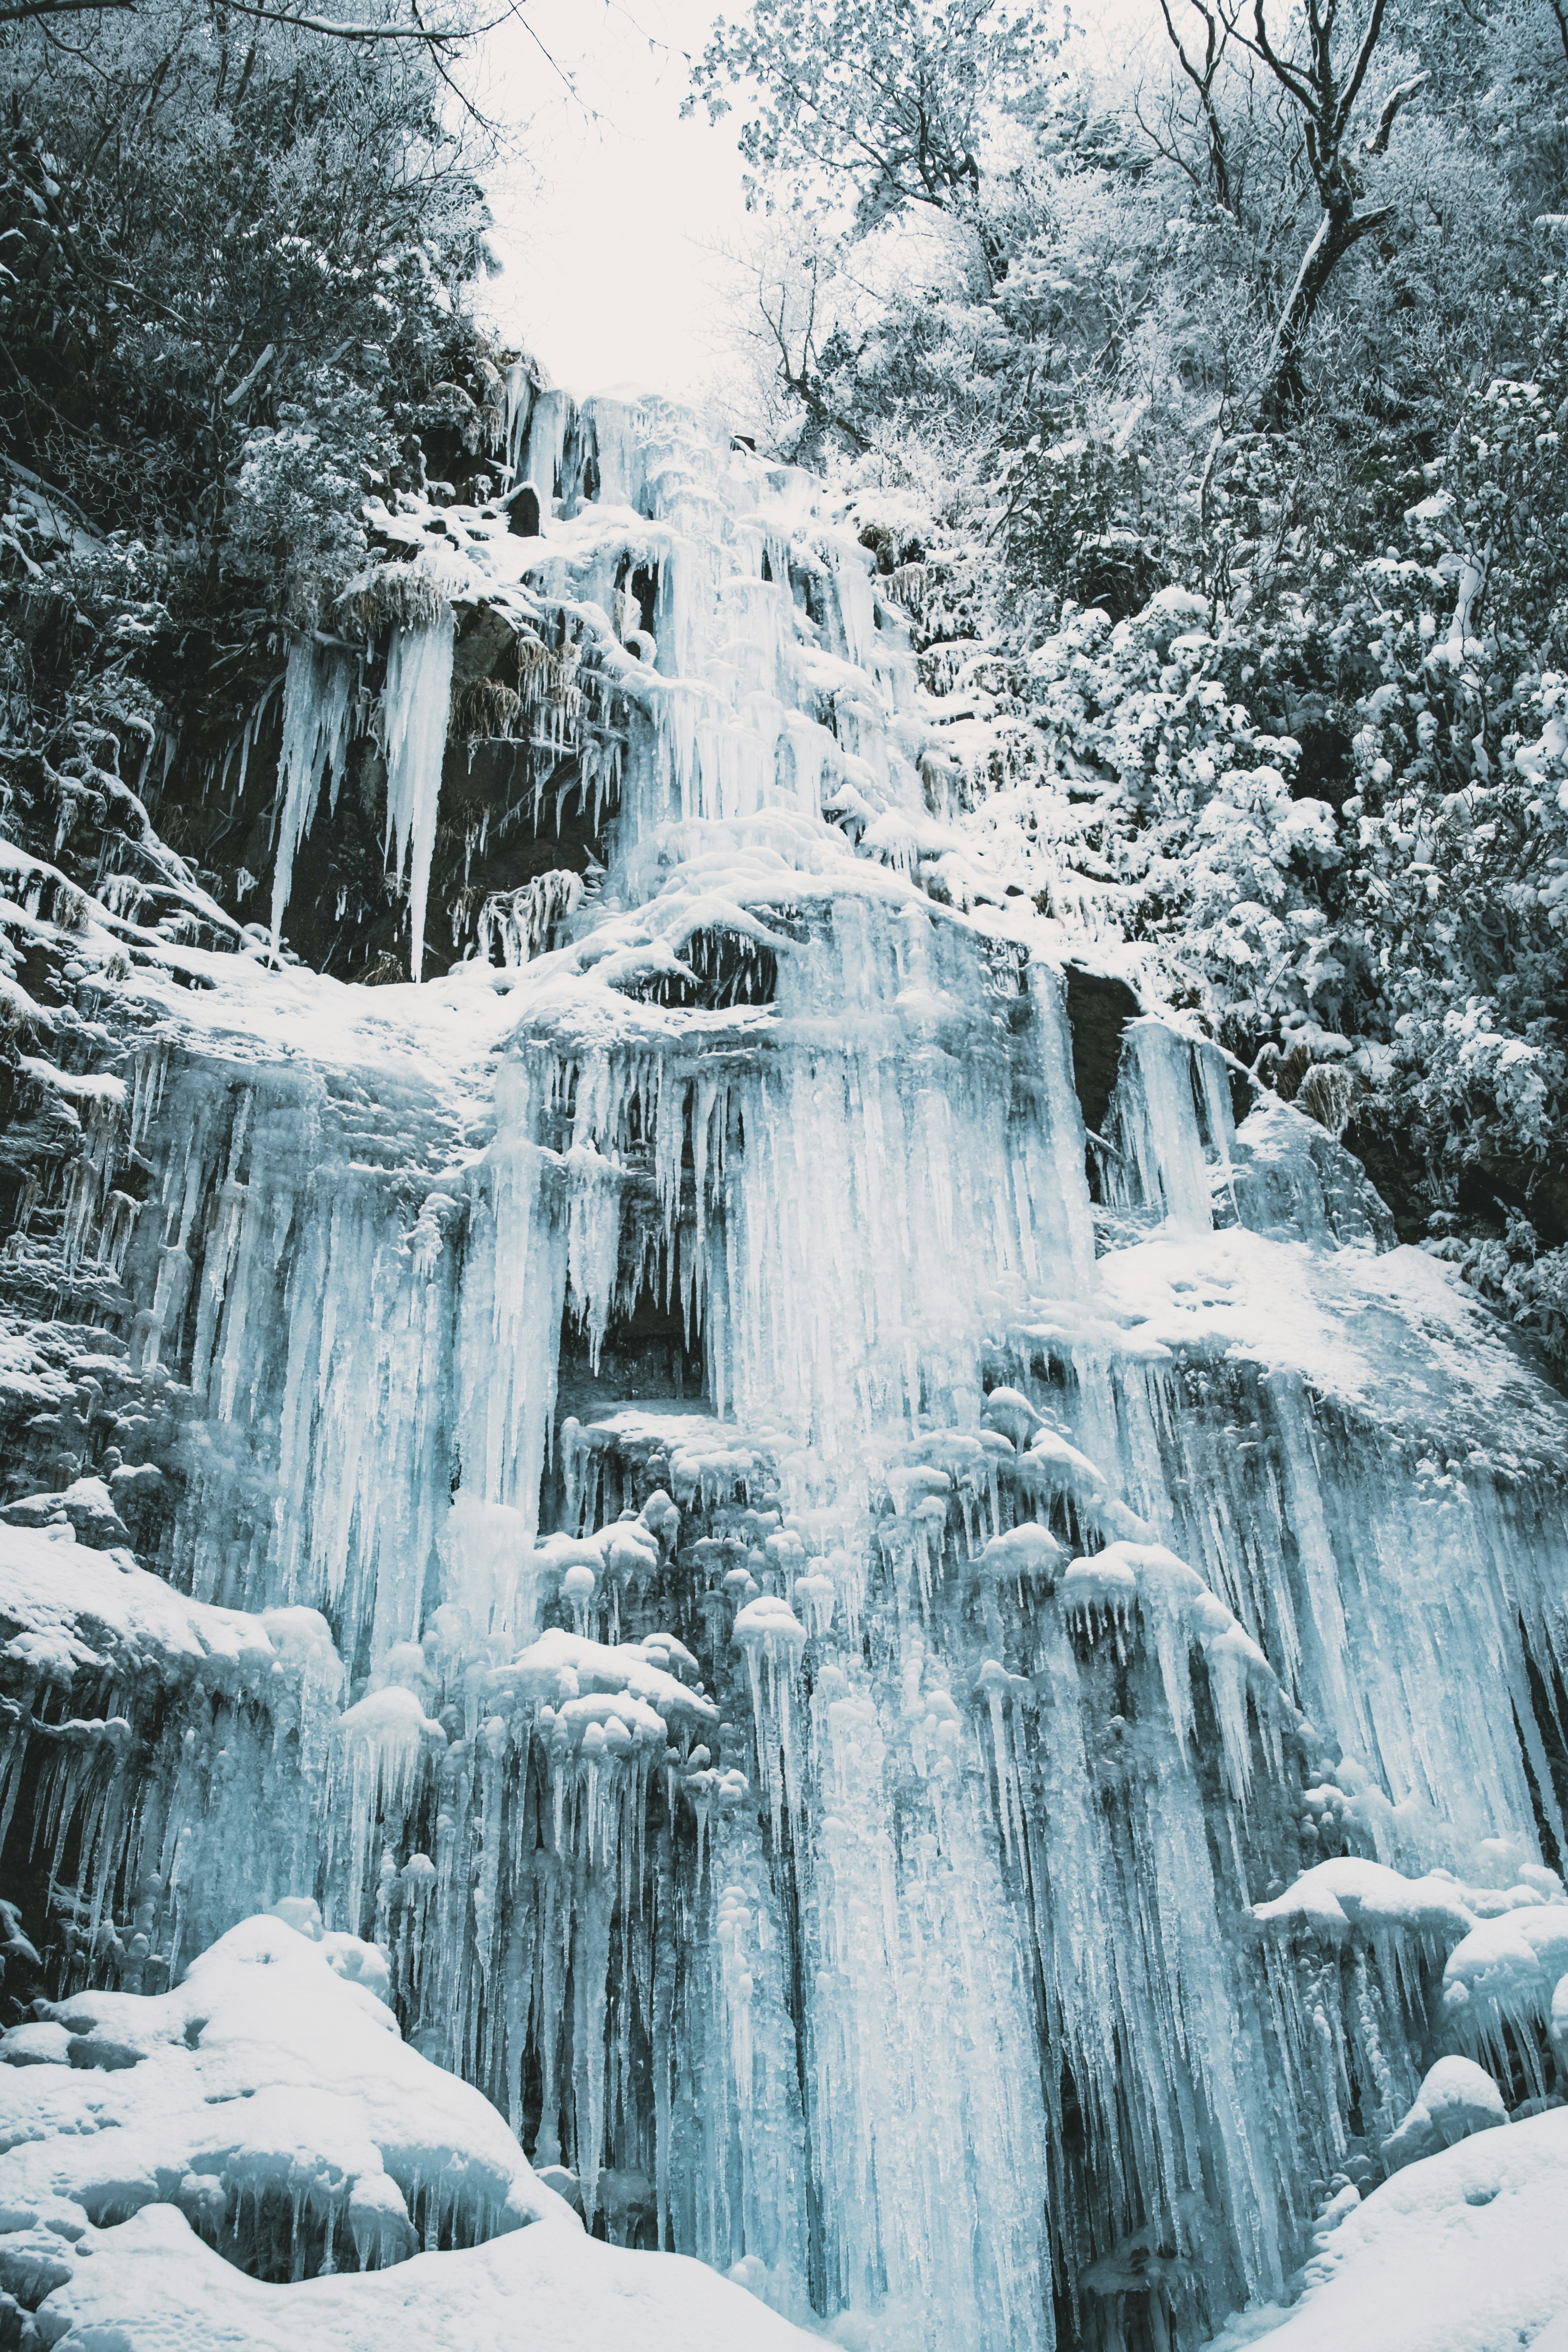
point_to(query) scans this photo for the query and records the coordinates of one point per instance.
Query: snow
(166, 2137)
(64, 1608)
(1353, 1893)
(1455, 2098)
(1393, 1334)
(1462, 2252)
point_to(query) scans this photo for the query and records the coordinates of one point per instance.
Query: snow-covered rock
(1463, 2252)
(266, 2117)
(1455, 2098)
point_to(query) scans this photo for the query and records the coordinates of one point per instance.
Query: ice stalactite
(415, 708)
(519, 390)
(1158, 1160)
(318, 718)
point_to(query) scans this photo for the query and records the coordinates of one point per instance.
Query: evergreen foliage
(237, 264)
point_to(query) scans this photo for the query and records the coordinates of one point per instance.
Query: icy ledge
(267, 2112)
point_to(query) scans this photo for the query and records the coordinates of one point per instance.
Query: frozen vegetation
(778, 1573)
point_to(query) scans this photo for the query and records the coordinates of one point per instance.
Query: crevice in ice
(717, 969)
(1100, 1008)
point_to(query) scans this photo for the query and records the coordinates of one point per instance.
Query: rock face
(759, 1496)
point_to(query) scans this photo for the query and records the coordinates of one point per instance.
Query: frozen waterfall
(931, 1703)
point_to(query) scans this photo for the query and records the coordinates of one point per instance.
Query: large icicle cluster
(947, 1708)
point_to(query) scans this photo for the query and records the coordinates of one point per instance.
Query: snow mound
(1464, 2252)
(266, 2117)
(65, 1607)
(1455, 2098)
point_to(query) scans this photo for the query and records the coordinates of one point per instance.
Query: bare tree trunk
(1334, 239)
(1325, 91)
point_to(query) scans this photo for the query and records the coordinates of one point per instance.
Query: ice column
(317, 722)
(415, 710)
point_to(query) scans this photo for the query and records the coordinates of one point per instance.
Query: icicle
(317, 724)
(413, 714)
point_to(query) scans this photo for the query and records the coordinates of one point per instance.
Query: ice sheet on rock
(1290, 1177)
(1157, 1158)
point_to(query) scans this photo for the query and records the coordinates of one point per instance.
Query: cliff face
(750, 1509)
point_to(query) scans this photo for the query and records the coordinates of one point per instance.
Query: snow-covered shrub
(294, 521)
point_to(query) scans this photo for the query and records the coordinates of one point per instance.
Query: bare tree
(1324, 87)
(1204, 73)
(791, 300)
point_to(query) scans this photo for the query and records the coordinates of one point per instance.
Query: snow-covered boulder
(1457, 2097)
(1464, 2251)
(267, 2116)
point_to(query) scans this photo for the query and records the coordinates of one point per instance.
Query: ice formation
(953, 1713)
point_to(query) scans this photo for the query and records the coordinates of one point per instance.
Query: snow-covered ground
(1464, 2251)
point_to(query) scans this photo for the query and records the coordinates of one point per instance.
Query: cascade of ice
(815, 1610)
(518, 395)
(1157, 1161)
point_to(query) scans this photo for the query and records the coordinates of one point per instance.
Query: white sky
(613, 219)
(606, 224)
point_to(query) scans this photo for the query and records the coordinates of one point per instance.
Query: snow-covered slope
(1463, 2252)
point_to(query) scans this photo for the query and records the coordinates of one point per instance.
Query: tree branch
(1376, 141)
(232, 399)
(431, 39)
(22, 9)
(16, 12)
(1358, 71)
(1203, 82)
